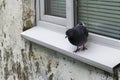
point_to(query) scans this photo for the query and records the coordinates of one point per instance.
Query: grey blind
(100, 16)
(55, 7)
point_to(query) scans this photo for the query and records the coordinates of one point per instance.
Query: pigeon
(78, 36)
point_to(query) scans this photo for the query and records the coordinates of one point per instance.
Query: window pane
(55, 7)
(100, 16)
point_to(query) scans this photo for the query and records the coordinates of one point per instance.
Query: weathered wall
(23, 60)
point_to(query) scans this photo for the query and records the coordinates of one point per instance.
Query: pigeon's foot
(78, 49)
(84, 48)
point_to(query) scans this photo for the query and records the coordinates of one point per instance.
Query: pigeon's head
(80, 24)
(69, 33)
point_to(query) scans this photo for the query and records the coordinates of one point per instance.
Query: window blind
(100, 16)
(55, 7)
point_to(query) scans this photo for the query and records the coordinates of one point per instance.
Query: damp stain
(31, 53)
(6, 73)
(37, 67)
(28, 25)
(52, 64)
(27, 19)
(3, 4)
(25, 73)
(51, 77)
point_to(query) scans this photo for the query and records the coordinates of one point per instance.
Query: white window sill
(103, 57)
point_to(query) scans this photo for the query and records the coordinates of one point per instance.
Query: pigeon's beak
(66, 36)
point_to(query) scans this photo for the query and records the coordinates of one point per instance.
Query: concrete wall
(24, 60)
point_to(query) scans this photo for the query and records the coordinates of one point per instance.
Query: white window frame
(103, 52)
(67, 22)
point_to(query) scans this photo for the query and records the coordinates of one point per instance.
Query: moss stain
(49, 67)
(24, 56)
(52, 64)
(37, 67)
(27, 19)
(14, 69)
(3, 4)
(4, 35)
(28, 25)
(0, 55)
(6, 73)
(25, 73)
(31, 54)
(2, 43)
(19, 70)
(51, 77)
(22, 74)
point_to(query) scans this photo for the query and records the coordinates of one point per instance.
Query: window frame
(67, 22)
(70, 21)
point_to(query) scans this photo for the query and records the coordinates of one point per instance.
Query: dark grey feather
(77, 35)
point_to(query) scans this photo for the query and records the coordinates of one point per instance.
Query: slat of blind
(56, 8)
(86, 19)
(100, 16)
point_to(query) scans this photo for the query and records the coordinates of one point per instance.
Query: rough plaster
(23, 60)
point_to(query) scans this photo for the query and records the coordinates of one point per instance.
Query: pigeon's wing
(85, 31)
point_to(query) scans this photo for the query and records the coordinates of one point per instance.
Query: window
(101, 16)
(57, 11)
(55, 8)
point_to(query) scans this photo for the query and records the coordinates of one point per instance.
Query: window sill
(103, 57)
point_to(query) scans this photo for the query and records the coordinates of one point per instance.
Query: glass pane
(55, 8)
